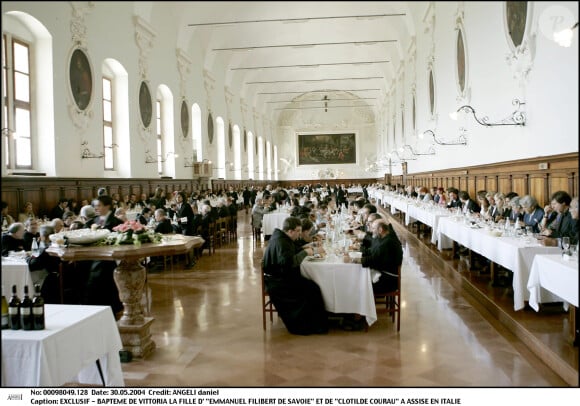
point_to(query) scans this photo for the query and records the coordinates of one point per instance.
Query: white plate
(355, 254)
(315, 259)
(82, 236)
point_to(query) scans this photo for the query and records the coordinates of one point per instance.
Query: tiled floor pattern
(208, 332)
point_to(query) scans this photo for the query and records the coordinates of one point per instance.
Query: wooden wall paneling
(520, 184)
(505, 184)
(51, 196)
(480, 183)
(32, 195)
(558, 181)
(86, 192)
(11, 198)
(491, 183)
(538, 182)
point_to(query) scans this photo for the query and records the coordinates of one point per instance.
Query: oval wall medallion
(80, 78)
(145, 104)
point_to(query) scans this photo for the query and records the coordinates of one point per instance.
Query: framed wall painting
(325, 149)
(516, 13)
(461, 62)
(184, 119)
(80, 79)
(431, 93)
(145, 104)
(210, 127)
(245, 140)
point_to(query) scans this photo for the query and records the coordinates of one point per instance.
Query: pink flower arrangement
(132, 225)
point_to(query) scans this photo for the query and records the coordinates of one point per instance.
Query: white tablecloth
(66, 351)
(273, 220)
(16, 272)
(510, 252)
(552, 273)
(426, 214)
(346, 288)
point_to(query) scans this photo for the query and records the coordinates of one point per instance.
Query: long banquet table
(130, 279)
(273, 220)
(76, 337)
(345, 287)
(554, 274)
(512, 253)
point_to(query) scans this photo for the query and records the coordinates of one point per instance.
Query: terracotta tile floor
(208, 332)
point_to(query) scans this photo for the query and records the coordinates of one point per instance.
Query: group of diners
(298, 300)
(553, 221)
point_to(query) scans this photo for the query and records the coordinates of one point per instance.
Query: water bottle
(34, 247)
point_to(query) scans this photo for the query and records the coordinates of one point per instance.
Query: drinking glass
(529, 230)
(566, 244)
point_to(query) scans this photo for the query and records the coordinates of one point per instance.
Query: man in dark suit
(31, 233)
(468, 205)
(453, 200)
(13, 239)
(184, 215)
(100, 287)
(58, 211)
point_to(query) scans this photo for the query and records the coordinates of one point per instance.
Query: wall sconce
(87, 154)
(518, 117)
(153, 160)
(565, 36)
(461, 140)
(430, 151)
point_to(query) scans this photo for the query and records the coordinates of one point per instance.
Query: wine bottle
(14, 310)
(26, 311)
(37, 309)
(5, 322)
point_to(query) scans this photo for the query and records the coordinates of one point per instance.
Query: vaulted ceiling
(274, 53)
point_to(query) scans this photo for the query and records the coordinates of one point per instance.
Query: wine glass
(566, 244)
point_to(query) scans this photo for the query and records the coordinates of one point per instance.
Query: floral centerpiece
(132, 232)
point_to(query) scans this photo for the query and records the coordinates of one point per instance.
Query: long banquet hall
(324, 105)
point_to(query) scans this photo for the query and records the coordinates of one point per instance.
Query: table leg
(133, 326)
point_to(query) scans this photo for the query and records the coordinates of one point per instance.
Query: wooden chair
(267, 305)
(210, 239)
(221, 231)
(233, 228)
(392, 301)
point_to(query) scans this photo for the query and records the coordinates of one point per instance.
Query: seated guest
(121, 214)
(442, 199)
(76, 225)
(516, 212)
(306, 238)
(206, 220)
(13, 239)
(498, 208)
(576, 217)
(6, 219)
(385, 255)
(58, 211)
(453, 200)
(533, 213)
(100, 287)
(31, 233)
(485, 207)
(298, 300)
(163, 226)
(162, 223)
(564, 225)
(67, 218)
(468, 205)
(145, 216)
(44, 268)
(87, 215)
(27, 214)
(58, 225)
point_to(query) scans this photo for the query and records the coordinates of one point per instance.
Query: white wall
(550, 90)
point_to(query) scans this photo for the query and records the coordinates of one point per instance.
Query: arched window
(164, 132)
(269, 159)
(260, 145)
(275, 162)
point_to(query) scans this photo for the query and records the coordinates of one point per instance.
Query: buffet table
(77, 341)
(130, 279)
(345, 287)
